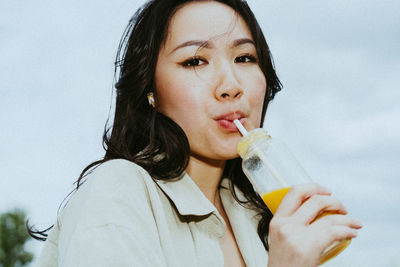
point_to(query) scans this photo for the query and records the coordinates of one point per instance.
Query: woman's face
(207, 75)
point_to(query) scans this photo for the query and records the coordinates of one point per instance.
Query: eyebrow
(243, 41)
(209, 45)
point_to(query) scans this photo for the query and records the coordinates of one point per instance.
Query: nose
(228, 87)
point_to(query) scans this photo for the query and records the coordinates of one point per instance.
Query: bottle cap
(251, 138)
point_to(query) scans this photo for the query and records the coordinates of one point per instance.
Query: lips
(226, 121)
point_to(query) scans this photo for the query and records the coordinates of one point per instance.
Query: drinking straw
(240, 127)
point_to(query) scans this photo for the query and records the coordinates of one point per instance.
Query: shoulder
(115, 177)
(117, 170)
(111, 211)
(110, 193)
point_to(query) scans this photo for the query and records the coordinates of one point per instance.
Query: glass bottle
(272, 169)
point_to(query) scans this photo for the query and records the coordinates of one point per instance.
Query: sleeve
(109, 221)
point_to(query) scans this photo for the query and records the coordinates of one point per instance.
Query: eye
(193, 62)
(246, 59)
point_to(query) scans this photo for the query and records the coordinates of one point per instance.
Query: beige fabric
(121, 217)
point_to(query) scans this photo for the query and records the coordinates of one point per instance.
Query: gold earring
(150, 98)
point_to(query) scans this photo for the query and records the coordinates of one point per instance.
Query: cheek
(177, 99)
(256, 98)
(258, 92)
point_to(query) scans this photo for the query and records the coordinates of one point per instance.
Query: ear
(150, 98)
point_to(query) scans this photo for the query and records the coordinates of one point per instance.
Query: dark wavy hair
(150, 139)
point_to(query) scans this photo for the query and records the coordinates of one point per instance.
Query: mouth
(226, 121)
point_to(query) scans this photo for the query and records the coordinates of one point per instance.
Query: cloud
(338, 112)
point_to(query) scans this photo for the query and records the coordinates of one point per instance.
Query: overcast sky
(339, 62)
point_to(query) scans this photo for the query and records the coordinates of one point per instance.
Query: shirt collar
(186, 196)
(244, 223)
(189, 200)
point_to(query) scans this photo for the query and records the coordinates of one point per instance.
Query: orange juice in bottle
(272, 170)
(273, 199)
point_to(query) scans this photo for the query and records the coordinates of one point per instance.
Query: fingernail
(355, 233)
(328, 191)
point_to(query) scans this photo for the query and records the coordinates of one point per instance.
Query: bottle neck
(250, 140)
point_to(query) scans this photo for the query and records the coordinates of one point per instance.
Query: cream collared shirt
(122, 217)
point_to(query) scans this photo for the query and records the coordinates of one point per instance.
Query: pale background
(339, 110)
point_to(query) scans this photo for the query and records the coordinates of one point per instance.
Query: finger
(336, 230)
(318, 205)
(337, 219)
(337, 233)
(297, 195)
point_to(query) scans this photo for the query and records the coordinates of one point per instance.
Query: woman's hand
(295, 238)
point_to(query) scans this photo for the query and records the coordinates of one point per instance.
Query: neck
(207, 176)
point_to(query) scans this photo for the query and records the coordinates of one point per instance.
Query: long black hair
(150, 139)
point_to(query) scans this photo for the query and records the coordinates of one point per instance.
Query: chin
(228, 155)
(229, 149)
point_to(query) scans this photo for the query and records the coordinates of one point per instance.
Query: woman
(170, 190)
